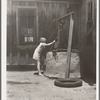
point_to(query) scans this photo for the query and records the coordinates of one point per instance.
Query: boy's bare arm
(50, 43)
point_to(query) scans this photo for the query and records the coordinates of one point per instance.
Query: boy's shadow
(36, 73)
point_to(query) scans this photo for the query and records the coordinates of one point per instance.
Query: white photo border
(4, 50)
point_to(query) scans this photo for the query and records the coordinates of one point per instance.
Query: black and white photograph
(49, 50)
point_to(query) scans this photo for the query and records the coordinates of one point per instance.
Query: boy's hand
(54, 41)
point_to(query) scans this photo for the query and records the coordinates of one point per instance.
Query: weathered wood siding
(88, 50)
(84, 17)
(48, 12)
(12, 49)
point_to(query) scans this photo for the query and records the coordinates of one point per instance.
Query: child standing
(40, 54)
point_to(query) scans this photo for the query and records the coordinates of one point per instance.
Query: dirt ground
(24, 85)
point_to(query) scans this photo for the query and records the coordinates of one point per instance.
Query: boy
(40, 54)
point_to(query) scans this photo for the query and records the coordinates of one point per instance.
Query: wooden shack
(28, 20)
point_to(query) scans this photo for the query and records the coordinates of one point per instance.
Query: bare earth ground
(24, 85)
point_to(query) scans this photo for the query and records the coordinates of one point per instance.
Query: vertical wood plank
(93, 13)
(18, 57)
(27, 57)
(79, 35)
(69, 47)
(18, 51)
(11, 46)
(58, 37)
(17, 35)
(11, 60)
(37, 24)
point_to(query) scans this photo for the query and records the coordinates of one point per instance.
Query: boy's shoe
(37, 73)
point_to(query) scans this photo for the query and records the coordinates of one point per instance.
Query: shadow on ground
(90, 81)
(21, 68)
(13, 82)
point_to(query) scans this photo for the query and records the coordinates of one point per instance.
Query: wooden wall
(48, 12)
(84, 17)
(88, 50)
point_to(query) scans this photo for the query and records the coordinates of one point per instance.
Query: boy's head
(43, 40)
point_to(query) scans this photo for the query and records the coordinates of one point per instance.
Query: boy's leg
(44, 64)
(44, 68)
(38, 67)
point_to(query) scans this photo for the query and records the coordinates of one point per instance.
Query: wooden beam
(67, 15)
(38, 1)
(58, 36)
(18, 7)
(59, 2)
(69, 47)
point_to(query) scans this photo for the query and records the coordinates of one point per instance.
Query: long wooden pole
(67, 15)
(69, 47)
(58, 37)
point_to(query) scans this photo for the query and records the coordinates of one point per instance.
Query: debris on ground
(58, 67)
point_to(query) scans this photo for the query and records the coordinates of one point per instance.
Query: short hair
(42, 39)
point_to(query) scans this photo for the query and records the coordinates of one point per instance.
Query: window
(26, 26)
